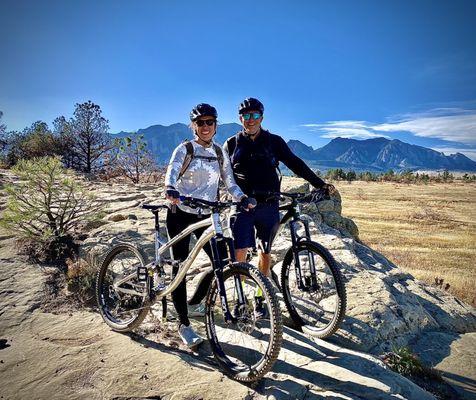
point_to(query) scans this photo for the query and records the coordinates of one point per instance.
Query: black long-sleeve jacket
(254, 162)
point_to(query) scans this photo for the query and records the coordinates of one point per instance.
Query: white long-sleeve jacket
(202, 177)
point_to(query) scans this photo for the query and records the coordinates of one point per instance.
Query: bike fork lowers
(295, 239)
(218, 271)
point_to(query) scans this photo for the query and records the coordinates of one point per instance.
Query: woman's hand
(173, 196)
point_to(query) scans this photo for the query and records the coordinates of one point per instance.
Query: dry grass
(428, 230)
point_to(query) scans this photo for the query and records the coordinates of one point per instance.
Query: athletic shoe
(260, 309)
(189, 336)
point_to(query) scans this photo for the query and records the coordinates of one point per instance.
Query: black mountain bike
(127, 285)
(310, 280)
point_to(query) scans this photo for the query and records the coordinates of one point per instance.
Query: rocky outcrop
(329, 212)
(386, 307)
(75, 355)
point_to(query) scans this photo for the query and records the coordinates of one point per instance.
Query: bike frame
(212, 234)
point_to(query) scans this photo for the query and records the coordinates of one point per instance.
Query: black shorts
(264, 218)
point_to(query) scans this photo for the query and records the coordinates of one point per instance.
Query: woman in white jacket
(200, 179)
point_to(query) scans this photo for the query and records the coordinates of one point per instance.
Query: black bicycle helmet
(203, 110)
(251, 104)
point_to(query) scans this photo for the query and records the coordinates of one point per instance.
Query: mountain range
(377, 154)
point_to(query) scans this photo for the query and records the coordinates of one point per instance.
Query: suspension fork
(297, 262)
(238, 281)
(218, 271)
(295, 239)
(310, 256)
(158, 267)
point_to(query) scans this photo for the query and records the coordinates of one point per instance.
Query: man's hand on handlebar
(330, 189)
(323, 193)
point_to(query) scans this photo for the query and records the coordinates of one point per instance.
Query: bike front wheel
(122, 299)
(247, 347)
(318, 307)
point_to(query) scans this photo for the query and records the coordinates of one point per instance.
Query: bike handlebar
(154, 207)
(314, 196)
(194, 202)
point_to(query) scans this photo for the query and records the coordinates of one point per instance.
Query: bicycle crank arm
(127, 291)
(126, 279)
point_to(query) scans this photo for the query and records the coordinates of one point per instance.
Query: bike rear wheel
(122, 299)
(247, 348)
(319, 308)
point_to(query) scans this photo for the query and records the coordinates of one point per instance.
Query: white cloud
(451, 124)
(332, 133)
(343, 124)
(456, 128)
(345, 129)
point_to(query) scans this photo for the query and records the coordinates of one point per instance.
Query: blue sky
(400, 69)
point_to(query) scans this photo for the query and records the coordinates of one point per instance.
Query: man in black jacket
(255, 154)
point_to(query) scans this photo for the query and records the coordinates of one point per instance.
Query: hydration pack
(191, 155)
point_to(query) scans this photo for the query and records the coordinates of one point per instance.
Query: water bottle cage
(142, 273)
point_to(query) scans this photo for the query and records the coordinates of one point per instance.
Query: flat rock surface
(75, 355)
(458, 359)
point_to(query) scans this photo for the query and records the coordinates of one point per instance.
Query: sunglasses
(248, 116)
(201, 122)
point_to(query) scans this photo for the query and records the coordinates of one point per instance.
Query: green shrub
(47, 207)
(403, 361)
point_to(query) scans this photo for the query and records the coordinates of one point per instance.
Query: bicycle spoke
(245, 344)
(121, 296)
(317, 305)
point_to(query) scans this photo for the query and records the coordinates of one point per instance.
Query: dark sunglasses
(255, 115)
(201, 122)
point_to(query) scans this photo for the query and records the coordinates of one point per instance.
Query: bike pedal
(142, 274)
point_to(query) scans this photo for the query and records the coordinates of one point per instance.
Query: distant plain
(428, 230)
